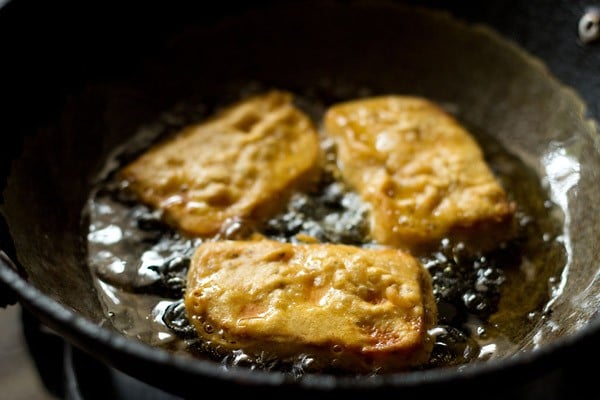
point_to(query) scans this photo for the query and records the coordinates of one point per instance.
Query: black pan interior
(73, 102)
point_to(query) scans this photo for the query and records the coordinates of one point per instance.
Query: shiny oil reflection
(562, 176)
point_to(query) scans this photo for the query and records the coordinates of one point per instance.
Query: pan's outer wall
(54, 54)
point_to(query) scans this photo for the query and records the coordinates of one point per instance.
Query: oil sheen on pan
(220, 178)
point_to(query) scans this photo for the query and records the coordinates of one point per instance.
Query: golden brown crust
(242, 163)
(423, 174)
(362, 309)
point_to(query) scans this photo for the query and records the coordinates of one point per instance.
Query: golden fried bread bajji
(422, 173)
(241, 163)
(356, 308)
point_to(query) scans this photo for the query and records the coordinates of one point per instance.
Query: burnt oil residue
(488, 302)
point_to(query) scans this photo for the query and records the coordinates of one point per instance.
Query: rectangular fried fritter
(423, 174)
(367, 309)
(241, 163)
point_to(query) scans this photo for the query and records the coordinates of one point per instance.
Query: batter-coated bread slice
(422, 173)
(358, 309)
(242, 163)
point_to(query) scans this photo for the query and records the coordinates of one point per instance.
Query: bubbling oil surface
(487, 302)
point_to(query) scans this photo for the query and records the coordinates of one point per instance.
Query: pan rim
(77, 330)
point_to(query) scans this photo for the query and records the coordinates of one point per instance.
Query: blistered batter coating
(422, 173)
(242, 163)
(355, 308)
